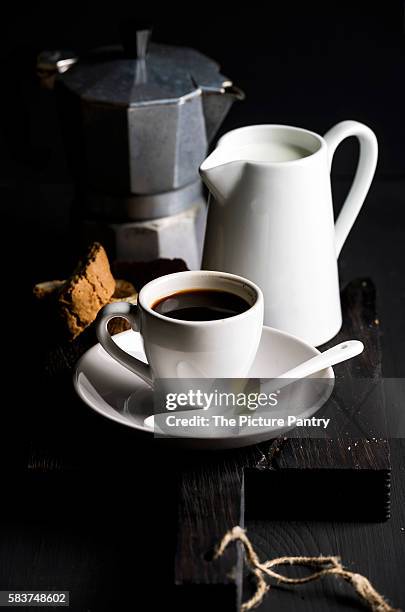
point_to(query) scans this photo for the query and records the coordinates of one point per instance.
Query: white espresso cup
(175, 348)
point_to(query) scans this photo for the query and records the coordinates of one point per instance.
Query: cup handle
(130, 313)
(364, 173)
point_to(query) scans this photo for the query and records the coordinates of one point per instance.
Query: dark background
(303, 64)
(306, 64)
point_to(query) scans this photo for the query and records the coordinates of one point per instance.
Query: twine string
(324, 566)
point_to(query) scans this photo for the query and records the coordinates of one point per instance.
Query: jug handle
(363, 177)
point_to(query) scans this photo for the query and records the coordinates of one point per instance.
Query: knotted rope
(325, 566)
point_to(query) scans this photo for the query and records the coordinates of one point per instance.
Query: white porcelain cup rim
(147, 296)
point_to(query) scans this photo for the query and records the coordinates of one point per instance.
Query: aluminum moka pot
(149, 112)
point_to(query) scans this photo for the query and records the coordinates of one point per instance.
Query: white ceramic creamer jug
(271, 219)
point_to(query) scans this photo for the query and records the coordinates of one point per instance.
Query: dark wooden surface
(375, 247)
(211, 499)
(307, 475)
(106, 531)
(375, 549)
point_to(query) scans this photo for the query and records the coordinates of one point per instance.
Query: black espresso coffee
(201, 305)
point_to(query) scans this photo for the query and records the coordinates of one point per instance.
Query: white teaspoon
(336, 354)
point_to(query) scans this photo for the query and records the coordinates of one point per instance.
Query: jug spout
(221, 177)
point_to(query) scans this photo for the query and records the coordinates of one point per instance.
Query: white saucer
(116, 393)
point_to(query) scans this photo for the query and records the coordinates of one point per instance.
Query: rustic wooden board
(211, 499)
(291, 478)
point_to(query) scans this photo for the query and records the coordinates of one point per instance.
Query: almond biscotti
(88, 289)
